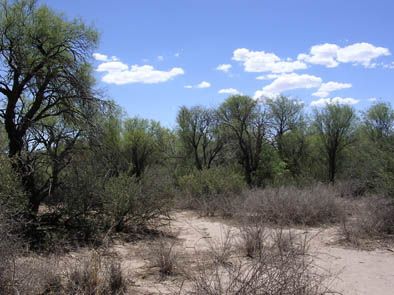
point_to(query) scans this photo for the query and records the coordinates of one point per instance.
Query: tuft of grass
(164, 256)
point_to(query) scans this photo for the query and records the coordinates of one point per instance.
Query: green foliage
(379, 122)
(143, 143)
(120, 199)
(245, 125)
(336, 126)
(12, 197)
(200, 135)
(371, 160)
(135, 202)
(210, 189)
(211, 182)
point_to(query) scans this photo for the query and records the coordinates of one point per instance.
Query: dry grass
(164, 256)
(22, 272)
(96, 275)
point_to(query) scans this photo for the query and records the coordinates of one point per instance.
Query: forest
(78, 173)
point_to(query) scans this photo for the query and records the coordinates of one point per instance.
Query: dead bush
(253, 237)
(371, 218)
(282, 266)
(310, 206)
(97, 276)
(30, 275)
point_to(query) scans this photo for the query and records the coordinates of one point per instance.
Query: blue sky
(154, 56)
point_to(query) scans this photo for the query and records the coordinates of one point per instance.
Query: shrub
(252, 239)
(275, 270)
(134, 202)
(13, 200)
(212, 190)
(372, 218)
(97, 276)
(221, 250)
(291, 205)
(164, 256)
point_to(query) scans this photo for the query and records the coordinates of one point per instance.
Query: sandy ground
(356, 271)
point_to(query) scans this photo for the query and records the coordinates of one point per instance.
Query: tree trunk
(332, 166)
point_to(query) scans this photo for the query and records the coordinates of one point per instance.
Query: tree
(377, 137)
(198, 129)
(45, 74)
(335, 125)
(285, 115)
(246, 124)
(379, 121)
(143, 141)
(287, 123)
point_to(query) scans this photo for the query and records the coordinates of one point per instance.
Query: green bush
(12, 198)
(210, 190)
(135, 202)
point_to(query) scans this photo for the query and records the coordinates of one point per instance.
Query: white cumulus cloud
(289, 82)
(203, 84)
(224, 67)
(336, 100)
(120, 73)
(112, 66)
(261, 61)
(322, 54)
(331, 55)
(100, 57)
(268, 77)
(326, 88)
(361, 53)
(231, 91)
(103, 57)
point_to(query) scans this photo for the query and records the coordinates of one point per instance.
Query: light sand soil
(357, 272)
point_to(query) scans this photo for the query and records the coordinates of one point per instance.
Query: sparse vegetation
(96, 275)
(164, 256)
(280, 265)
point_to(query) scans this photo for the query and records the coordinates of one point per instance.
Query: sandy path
(357, 272)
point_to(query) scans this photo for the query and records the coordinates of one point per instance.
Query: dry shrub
(281, 265)
(350, 188)
(96, 275)
(372, 218)
(27, 275)
(253, 237)
(222, 249)
(164, 256)
(294, 206)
